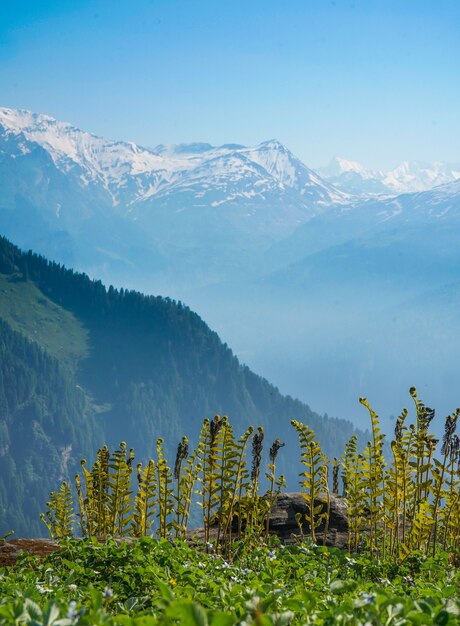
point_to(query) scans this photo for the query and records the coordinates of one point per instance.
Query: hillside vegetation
(115, 365)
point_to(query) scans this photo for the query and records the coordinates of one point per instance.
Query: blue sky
(376, 81)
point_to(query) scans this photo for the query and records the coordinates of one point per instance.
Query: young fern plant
(439, 474)
(271, 477)
(187, 480)
(209, 460)
(450, 525)
(59, 517)
(239, 483)
(313, 483)
(374, 475)
(335, 476)
(146, 500)
(396, 485)
(325, 471)
(165, 492)
(229, 474)
(100, 481)
(255, 506)
(354, 492)
(422, 448)
(119, 503)
(84, 500)
(181, 456)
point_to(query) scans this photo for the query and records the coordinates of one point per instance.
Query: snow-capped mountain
(99, 204)
(410, 176)
(353, 178)
(339, 166)
(413, 176)
(131, 174)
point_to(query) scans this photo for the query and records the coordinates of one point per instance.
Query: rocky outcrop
(283, 520)
(283, 523)
(10, 550)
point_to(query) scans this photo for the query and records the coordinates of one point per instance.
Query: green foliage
(313, 479)
(155, 582)
(144, 506)
(394, 508)
(59, 516)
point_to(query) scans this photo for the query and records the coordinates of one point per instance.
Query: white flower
(368, 597)
(72, 587)
(72, 613)
(350, 561)
(108, 593)
(43, 589)
(271, 555)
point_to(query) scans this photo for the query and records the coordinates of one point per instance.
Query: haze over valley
(332, 283)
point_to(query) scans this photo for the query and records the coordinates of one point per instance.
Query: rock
(284, 524)
(10, 550)
(283, 519)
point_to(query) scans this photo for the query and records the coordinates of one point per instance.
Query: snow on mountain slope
(408, 177)
(110, 163)
(413, 176)
(339, 166)
(133, 174)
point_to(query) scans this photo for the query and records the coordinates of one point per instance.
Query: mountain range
(331, 289)
(409, 176)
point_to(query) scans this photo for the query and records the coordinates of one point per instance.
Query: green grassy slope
(28, 311)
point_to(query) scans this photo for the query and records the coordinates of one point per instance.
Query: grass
(31, 313)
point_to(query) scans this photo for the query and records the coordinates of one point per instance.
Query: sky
(369, 80)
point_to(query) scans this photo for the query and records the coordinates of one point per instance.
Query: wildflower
(368, 597)
(271, 555)
(43, 589)
(172, 582)
(72, 613)
(350, 561)
(72, 587)
(108, 593)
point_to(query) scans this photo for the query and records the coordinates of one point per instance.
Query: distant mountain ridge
(408, 177)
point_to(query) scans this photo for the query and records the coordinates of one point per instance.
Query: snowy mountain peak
(407, 177)
(412, 176)
(17, 120)
(339, 166)
(273, 144)
(132, 174)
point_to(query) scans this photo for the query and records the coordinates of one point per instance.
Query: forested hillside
(82, 365)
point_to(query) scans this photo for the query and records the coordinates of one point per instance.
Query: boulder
(283, 520)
